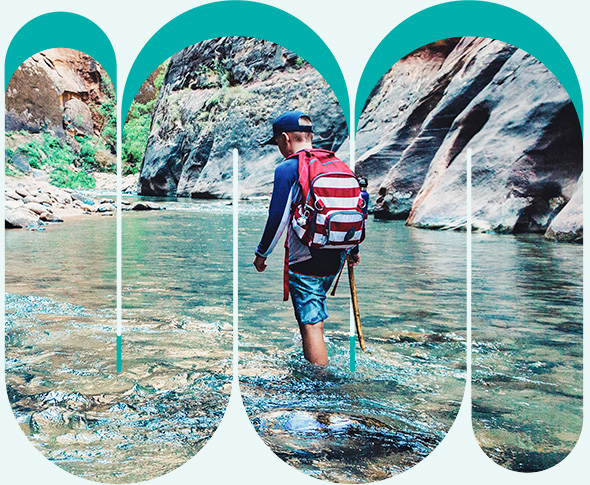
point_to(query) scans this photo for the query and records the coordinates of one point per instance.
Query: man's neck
(297, 147)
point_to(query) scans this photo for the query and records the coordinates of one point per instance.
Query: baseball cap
(287, 122)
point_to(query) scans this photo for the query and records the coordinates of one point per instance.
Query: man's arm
(278, 213)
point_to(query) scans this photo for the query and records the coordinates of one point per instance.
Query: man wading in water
(311, 270)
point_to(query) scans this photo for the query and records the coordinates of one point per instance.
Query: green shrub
(65, 177)
(58, 157)
(11, 171)
(87, 152)
(108, 110)
(137, 127)
(135, 136)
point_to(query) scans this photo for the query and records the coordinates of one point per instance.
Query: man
(364, 183)
(311, 271)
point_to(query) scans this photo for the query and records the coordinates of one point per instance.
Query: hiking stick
(355, 306)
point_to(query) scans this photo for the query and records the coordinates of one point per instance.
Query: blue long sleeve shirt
(302, 259)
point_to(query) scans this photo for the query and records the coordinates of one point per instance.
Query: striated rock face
(392, 118)
(54, 84)
(568, 224)
(223, 94)
(510, 110)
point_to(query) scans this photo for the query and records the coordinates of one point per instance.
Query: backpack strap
(286, 269)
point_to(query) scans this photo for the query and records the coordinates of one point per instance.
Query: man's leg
(314, 347)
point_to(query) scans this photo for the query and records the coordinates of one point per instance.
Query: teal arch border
(236, 18)
(44, 32)
(469, 18)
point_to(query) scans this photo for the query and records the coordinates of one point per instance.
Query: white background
(351, 30)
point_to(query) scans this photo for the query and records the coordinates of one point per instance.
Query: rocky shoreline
(32, 203)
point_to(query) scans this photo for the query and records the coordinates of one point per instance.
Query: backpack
(330, 212)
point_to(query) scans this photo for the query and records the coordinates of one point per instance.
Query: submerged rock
(142, 206)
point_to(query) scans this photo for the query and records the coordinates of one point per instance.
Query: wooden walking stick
(355, 306)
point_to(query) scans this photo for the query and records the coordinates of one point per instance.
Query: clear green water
(334, 425)
(406, 390)
(61, 345)
(527, 349)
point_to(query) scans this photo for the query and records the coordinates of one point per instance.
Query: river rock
(14, 204)
(223, 94)
(11, 194)
(143, 206)
(43, 198)
(22, 191)
(568, 225)
(19, 218)
(37, 208)
(49, 217)
(105, 207)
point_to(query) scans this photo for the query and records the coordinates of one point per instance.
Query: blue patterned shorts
(308, 294)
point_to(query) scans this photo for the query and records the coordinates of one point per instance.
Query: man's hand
(260, 263)
(354, 259)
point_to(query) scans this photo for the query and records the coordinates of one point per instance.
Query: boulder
(20, 218)
(568, 225)
(77, 118)
(37, 208)
(21, 161)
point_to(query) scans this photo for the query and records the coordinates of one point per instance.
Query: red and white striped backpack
(330, 214)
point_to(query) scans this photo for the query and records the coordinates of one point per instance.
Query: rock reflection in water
(406, 390)
(527, 349)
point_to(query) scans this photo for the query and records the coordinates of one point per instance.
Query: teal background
(469, 18)
(236, 18)
(60, 29)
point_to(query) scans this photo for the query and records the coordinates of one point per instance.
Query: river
(527, 349)
(176, 355)
(406, 389)
(335, 425)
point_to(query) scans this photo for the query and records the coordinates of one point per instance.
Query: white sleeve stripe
(282, 225)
